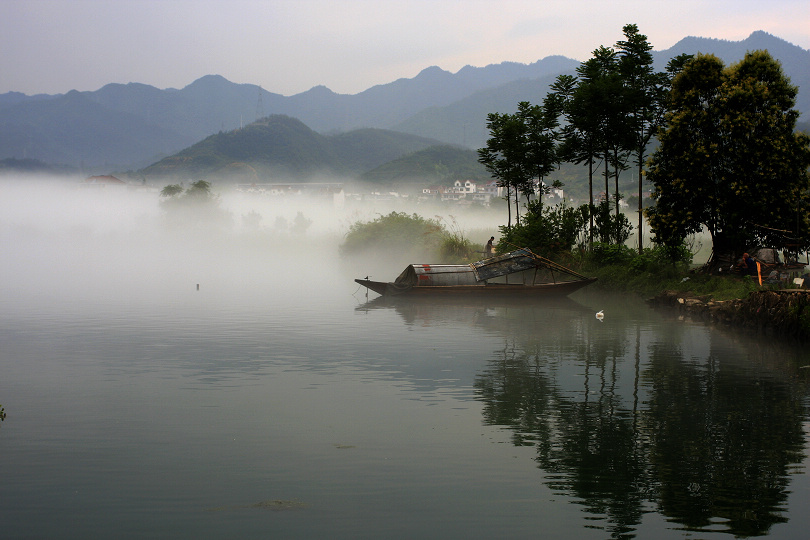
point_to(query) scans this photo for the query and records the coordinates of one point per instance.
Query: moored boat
(531, 275)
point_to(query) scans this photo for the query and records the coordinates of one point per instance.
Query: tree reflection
(722, 442)
(707, 442)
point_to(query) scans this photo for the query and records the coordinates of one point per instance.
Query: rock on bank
(784, 312)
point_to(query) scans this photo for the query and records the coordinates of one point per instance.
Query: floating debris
(600, 316)
(275, 504)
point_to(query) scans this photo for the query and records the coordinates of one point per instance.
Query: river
(225, 387)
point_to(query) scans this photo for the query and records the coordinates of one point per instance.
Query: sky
(289, 46)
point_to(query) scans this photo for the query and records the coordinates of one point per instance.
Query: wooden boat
(489, 276)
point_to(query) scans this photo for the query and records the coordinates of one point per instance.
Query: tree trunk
(590, 208)
(616, 182)
(509, 206)
(640, 207)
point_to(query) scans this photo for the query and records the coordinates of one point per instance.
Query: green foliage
(198, 193)
(171, 190)
(622, 268)
(396, 232)
(547, 230)
(280, 144)
(610, 227)
(441, 163)
(649, 260)
(455, 249)
(604, 253)
(645, 92)
(522, 149)
(802, 314)
(608, 112)
(729, 159)
(193, 206)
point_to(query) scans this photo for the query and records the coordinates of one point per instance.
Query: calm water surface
(275, 403)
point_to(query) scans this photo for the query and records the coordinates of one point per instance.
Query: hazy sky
(289, 46)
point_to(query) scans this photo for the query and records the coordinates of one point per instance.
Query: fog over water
(63, 240)
(278, 400)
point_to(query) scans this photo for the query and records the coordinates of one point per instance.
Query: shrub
(547, 230)
(396, 232)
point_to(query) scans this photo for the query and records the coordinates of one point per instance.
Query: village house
(464, 187)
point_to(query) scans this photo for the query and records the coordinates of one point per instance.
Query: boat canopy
(516, 261)
(422, 275)
(501, 265)
(416, 275)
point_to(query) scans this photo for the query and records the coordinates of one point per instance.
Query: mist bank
(62, 241)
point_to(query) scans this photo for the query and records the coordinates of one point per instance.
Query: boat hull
(562, 288)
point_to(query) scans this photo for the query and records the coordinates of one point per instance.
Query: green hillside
(437, 164)
(281, 147)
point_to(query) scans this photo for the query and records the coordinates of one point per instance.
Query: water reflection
(497, 315)
(646, 415)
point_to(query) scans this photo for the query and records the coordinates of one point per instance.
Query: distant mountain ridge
(281, 148)
(130, 126)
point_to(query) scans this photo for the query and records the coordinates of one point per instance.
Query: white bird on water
(600, 316)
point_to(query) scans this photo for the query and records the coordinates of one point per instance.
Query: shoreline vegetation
(773, 308)
(717, 144)
(776, 307)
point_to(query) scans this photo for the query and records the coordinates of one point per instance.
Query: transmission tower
(259, 106)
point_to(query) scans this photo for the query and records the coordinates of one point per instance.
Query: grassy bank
(650, 283)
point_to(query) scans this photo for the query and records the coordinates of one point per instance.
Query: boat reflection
(498, 314)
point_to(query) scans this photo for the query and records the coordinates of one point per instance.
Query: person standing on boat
(489, 250)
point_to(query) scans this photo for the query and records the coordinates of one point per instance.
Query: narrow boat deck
(559, 288)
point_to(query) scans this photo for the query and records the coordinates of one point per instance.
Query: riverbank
(783, 312)
(730, 300)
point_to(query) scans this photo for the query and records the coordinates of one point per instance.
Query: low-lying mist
(63, 241)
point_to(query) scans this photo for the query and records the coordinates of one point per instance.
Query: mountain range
(137, 126)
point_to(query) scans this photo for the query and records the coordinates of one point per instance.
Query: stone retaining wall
(785, 312)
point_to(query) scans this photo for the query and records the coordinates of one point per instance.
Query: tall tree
(583, 101)
(646, 94)
(729, 158)
(578, 134)
(541, 155)
(599, 125)
(504, 156)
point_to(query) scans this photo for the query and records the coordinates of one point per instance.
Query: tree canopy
(729, 158)
(523, 149)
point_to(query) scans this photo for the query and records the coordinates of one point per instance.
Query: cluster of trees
(730, 160)
(728, 157)
(194, 206)
(604, 117)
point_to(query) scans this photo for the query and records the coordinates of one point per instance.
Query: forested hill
(280, 147)
(437, 164)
